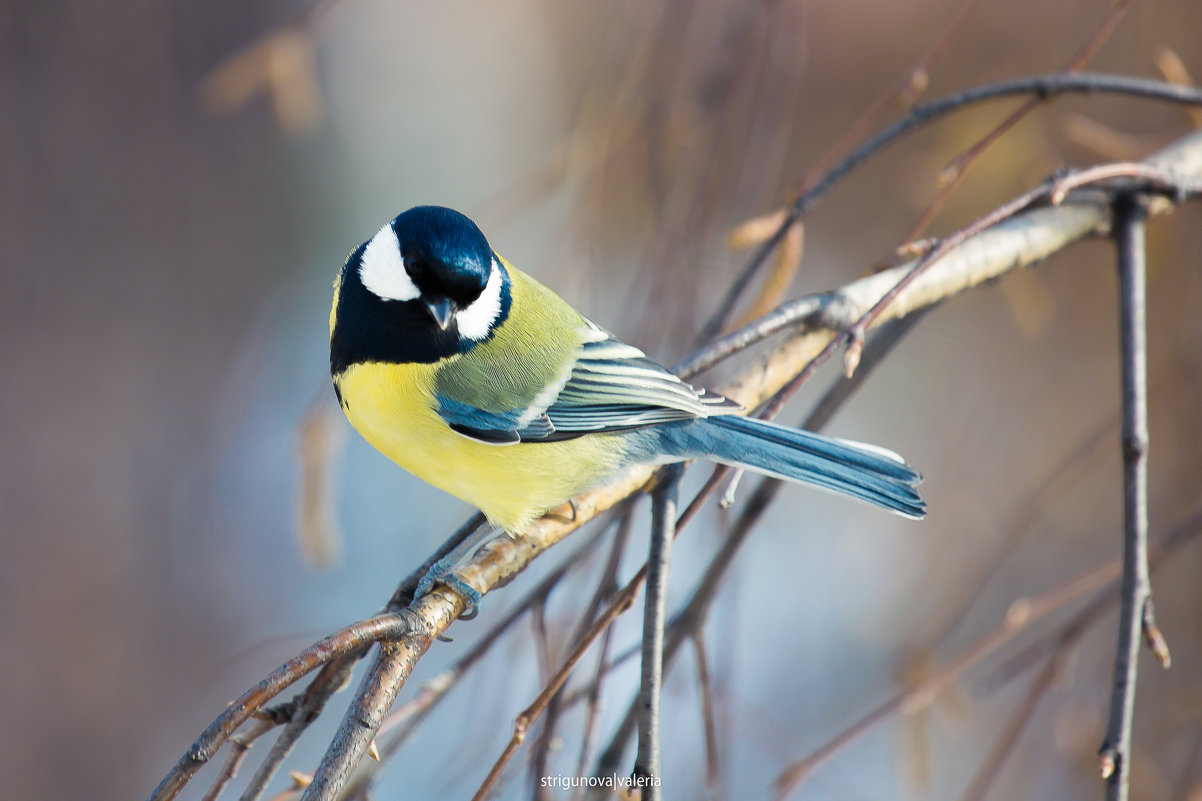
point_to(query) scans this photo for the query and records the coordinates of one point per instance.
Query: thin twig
(593, 698)
(1182, 534)
(655, 601)
(695, 612)
(1021, 614)
(1114, 758)
(1042, 86)
(605, 589)
(713, 774)
(354, 737)
(1004, 747)
(307, 707)
(240, 745)
(914, 81)
(607, 585)
(954, 173)
(854, 335)
(411, 714)
(542, 745)
(1144, 178)
(621, 602)
(347, 640)
(908, 87)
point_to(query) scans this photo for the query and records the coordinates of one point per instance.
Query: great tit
(478, 379)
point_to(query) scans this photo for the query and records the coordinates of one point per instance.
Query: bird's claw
(440, 573)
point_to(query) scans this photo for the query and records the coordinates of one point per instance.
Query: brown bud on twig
(916, 84)
(855, 349)
(1154, 637)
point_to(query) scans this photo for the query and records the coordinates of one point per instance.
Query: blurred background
(181, 181)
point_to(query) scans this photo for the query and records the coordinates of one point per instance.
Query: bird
(477, 378)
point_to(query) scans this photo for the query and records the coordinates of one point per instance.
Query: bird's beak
(441, 310)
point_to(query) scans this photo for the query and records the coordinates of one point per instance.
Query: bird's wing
(608, 386)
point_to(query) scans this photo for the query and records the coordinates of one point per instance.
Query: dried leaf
(785, 264)
(321, 437)
(757, 230)
(1103, 140)
(1174, 71)
(280, 65)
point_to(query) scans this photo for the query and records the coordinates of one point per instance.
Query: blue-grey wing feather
(496, 428)
(612, 387)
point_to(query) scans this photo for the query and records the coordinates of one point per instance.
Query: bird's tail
(866, 472)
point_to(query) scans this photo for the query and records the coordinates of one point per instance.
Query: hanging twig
(1114, 758)
(605, 589)
(655, 595)
(620, 603)
(713, 774)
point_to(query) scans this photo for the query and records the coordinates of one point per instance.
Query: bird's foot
(443, 572)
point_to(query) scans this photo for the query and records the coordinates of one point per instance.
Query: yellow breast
(394, 409)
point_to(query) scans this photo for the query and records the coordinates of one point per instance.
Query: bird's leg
(443, 571)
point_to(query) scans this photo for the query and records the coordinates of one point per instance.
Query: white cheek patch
(476, 320)
(382, 269)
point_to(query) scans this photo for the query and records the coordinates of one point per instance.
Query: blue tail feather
(865, 472)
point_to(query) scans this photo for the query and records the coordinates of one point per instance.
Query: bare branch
(1004, 747)
(655, 602)
(240, 745)
(304, 710)
(713, 774)
(951, 176)
(1021, 614)
(1114, 757)
(351, 639)
(691, 619)
(1042, 87)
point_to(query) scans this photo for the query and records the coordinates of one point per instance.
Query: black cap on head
(444, 252)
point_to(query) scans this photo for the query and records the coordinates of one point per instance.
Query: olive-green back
(530, 350)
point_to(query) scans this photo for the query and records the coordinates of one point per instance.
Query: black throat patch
(368, 328)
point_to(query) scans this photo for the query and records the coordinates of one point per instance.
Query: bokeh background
(176, 196)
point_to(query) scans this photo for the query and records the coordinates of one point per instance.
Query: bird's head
(425, 286)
